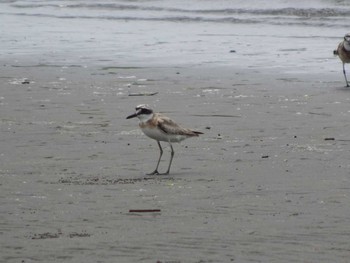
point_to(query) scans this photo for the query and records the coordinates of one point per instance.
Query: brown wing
(343, 54)
(168, 126)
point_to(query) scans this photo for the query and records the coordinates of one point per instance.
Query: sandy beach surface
(268, 181)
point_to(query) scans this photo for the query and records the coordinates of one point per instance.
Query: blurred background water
(251, 33)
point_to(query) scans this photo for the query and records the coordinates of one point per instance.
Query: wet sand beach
(268, 181)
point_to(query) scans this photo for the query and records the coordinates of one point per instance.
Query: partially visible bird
(343, 52)
(161, 128)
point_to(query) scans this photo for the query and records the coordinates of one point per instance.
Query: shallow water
(310, 13)
(272, 34)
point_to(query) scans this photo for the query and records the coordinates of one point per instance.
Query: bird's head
(143, 112)
(347, 38)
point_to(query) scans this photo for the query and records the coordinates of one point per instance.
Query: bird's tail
(335, 52)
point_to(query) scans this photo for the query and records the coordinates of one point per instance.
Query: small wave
(288, 11)
(137, 18)
(301, 12)
(284, 21)
(329, 16)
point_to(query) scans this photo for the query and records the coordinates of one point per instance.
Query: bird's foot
(158, 173)
(155, 172)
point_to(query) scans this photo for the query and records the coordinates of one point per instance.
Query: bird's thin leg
(171, 158)
(160, 156)
(346, 80)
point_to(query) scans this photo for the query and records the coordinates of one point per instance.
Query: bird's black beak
(132, 116)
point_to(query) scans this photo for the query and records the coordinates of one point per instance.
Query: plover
(343, 51)
(161, 128)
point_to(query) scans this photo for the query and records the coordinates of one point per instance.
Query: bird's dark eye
(145, 111)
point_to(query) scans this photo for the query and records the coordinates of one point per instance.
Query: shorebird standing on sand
(161, 128)
(343, 51)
